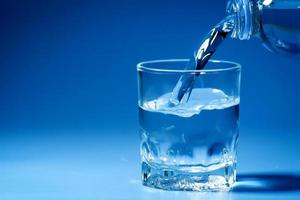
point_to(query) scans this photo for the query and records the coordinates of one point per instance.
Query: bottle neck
(245, 17)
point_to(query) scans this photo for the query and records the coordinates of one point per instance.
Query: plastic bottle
(276, 22)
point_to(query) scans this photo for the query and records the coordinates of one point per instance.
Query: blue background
(68, 98)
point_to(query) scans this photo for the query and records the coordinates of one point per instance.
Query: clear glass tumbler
(191, 145)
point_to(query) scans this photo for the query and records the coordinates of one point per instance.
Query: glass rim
(141, 66)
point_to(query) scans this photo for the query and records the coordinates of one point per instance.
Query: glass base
(168, 179)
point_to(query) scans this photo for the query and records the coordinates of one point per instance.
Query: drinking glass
(190, 145)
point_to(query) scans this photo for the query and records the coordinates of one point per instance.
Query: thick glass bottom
(221, 179)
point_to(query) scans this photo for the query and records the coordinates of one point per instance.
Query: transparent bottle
(276, 22)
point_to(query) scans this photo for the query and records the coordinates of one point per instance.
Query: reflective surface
(67, 165)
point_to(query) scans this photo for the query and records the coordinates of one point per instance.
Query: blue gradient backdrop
(68, 95)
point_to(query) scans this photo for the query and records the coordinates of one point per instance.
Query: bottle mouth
(241, 12)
